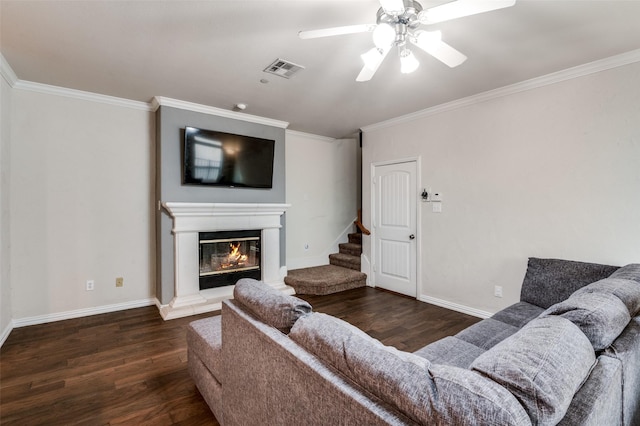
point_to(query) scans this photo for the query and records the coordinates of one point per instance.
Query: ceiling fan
(398, 22)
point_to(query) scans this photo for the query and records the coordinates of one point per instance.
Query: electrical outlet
(90, 285)
(497, 291)
(119, 282)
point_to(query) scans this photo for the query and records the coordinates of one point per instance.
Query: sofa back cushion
(600, 316)
(549, 281)
(542, 365)
(628, 291)
(628, 272)
(269, 305)
(427, 393)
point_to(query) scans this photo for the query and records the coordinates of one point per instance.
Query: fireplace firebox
(227, 256)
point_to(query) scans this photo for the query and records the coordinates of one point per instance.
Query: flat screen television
(224, 159)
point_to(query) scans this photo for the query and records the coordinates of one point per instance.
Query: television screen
(224, 159)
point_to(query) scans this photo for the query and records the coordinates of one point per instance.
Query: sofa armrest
(285, 383)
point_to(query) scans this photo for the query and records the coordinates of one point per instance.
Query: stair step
(325, 279)
(350, 248)
(345, 260)
(355, 238)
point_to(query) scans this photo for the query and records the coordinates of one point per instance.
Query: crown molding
(534, 83)
(7, 72)
(81, 95)
(10, 76)
(159, 101)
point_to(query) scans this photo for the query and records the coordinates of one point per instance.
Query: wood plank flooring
(395, 320)
(129, 367)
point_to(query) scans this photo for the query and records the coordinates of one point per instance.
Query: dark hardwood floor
(395, 320)
(129, 367)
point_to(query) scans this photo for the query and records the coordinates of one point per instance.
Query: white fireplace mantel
(189, 219)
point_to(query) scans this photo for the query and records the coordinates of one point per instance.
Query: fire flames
(235, 258)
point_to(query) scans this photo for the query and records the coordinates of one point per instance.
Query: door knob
(412, 237)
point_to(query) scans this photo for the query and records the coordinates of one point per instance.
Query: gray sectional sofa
(568, 353)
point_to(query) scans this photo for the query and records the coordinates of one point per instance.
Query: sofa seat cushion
(269, 305)
(487, 333)
(204, 340)
(628, 291)
(549, 281)
(518, 314)
(628, 272)
(600, 316)
(450, 351)
(542, 365)
(427, 393)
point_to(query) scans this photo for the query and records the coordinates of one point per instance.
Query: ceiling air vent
(283, 68)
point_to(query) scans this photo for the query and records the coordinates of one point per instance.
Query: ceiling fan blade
(373, 59)
(392, 7)
(327, 32)
(460, 8)
(431, 43)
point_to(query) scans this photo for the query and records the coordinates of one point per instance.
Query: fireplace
(227, 256)
(191, 219)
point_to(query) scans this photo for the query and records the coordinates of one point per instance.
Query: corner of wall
(6, 309)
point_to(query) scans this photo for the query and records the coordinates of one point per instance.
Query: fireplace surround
(191, 219)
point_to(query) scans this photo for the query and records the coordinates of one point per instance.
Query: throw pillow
(270, 305)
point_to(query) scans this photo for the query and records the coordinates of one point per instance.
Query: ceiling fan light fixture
(383, 36)
(408, 61)
(397, 23)
(392, 7)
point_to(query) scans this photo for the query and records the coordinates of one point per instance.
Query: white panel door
(394, 222)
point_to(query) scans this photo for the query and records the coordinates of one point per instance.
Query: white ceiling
(214, 52)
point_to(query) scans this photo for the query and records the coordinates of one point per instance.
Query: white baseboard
(5, 333)
(455, 307)
(42, 319)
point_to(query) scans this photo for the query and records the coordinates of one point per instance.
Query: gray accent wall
(170, 124)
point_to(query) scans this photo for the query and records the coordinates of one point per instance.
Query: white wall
(548, 172)
(322, 186)
(81, 199)
(81, 205)
(5, 284)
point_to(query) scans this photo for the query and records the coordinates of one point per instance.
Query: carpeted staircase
(342, 273)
